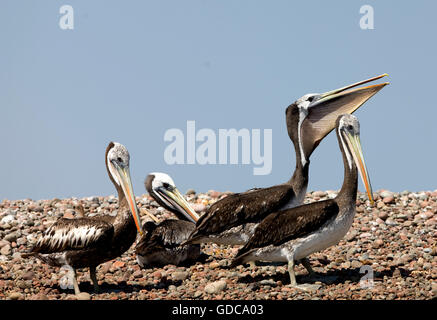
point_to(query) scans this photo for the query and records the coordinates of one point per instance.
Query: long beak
(354, 144)
(126, 185)
(323, 112)
(177, 199)
(356, 84)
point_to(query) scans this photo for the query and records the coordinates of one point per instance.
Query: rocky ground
(393, 241)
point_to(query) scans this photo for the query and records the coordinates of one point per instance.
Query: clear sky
(130, 70)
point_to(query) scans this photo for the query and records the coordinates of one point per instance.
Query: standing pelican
(90, 241)
(293, 234)
(233, 219)
(161, 243)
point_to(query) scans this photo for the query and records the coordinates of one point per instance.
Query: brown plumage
(282, 226)
(291, 235)
(161, 243)
(251, 206)
(90, 241)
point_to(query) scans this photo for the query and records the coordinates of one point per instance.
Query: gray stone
(15, 296)
(180, 275)
(6, 250)
(308, 287)
(215, 287)
(269, 282)
(7, 219)
(11, 237)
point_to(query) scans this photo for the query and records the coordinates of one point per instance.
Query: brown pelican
(161, 243)
(90, 241)
(233, 219)
(293, 234)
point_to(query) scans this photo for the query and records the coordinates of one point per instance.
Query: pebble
(118, 264)
(383, 215)
(351, 235)
(28, 275)
(199, 207)
(215, 287)
(11, 237)
(4, 243)
(6, 250)
(388, 200)
(319, 194)
(15, 296)
(386, 194)
(391, 222)
(378, 243)
(83, 296)
(7, 219)
(180, 275)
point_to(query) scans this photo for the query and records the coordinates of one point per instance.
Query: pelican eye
(119, 159)
(310, 99)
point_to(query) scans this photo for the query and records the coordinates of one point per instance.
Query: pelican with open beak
(161, 243)
(318, 112)
(309, 119)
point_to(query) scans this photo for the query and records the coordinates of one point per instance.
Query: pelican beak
(354, 143)
(324, 110)
(173, 195)
(126, 185)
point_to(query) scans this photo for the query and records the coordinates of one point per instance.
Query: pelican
(89, 241)
(293, 234)
(233, 219)
(161, 243)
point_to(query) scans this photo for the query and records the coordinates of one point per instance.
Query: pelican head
(314, 115)
(348, 130)
(163, 189)
(117, 162)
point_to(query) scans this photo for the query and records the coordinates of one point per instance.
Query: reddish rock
(157, 274)
(68, 215)
(378, 243)
(383, 215)
(214, 194)
(118, 264)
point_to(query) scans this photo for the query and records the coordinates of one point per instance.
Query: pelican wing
(73, 234)
(168, 234)
(286, 225)
(240, 208)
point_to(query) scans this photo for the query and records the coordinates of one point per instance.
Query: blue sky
(130, 70)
